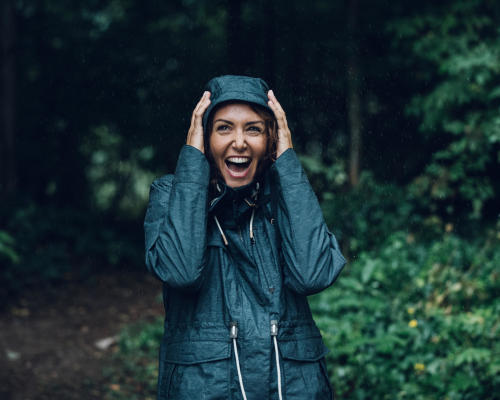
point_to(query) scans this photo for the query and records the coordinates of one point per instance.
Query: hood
(235, 87)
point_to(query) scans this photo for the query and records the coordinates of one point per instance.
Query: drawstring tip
(221, 231)
(233, 331)
(274, 327)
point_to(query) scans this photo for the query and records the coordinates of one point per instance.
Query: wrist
(197, 144)
(282, 147)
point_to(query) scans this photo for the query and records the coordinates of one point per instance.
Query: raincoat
(230, 309)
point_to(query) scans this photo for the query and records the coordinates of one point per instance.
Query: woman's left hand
(284, 134)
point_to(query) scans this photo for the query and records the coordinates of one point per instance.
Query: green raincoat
(219, 296)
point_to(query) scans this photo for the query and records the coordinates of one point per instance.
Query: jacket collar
(231, 205)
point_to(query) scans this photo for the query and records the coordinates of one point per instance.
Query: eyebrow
(231, 123)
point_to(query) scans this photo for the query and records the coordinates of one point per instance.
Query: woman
(238, 239)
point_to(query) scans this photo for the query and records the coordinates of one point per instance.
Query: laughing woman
(238, 239)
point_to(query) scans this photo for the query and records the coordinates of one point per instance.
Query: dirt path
(47, 340)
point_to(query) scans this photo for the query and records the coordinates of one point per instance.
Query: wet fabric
(207, 285)
(235, 87)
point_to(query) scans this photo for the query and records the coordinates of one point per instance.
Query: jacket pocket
(166, 372)
(304, 369)
(309, 349)
(200, 370)
(194, 352)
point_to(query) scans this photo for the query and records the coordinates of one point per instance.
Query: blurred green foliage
(8, 252)
(367, 213)
(48, 244)
(133, 372)
(455, 50)
(415, 320)
(115, 173)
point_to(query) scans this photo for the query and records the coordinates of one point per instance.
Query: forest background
(394, 108)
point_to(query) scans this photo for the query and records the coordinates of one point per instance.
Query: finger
(202, 106)
(201, 101)
(279, 114)
(274, 107)
(273, 98)
(204, 102)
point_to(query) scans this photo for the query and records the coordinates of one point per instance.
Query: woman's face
(238, 142)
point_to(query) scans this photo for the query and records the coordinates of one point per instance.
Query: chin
(236, 184)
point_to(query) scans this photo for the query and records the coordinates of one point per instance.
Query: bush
(368, 213)
(415, 320)
(45, 244)
(134, 368)
(365, 214)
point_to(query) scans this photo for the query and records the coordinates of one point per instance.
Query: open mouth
(238, 166)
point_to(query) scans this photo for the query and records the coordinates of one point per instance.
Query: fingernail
(271, 92)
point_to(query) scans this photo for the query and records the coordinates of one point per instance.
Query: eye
(223, 128)
(254, 130)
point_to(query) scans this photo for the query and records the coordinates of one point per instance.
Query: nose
(239, 140)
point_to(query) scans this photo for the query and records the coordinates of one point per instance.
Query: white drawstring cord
(251, 226)
(224, 236)
(221, 231)
(254, 197)
(278, 370)
(253, 205)
(233, 335)
(274, 334)
(242, 388)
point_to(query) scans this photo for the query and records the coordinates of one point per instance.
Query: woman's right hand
(195, 134)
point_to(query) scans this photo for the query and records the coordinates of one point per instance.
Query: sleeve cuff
(192, 166)
(288, 169)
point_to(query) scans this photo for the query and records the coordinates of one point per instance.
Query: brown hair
(271, 128)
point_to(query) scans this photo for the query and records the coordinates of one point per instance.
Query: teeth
(238, 160)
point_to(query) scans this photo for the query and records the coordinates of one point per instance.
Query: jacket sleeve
(176, 222)
(311, 253)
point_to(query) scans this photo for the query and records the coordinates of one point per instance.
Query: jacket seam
(179, 181)
(290, 184)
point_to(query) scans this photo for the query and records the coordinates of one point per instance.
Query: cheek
(261, 147)
(214, 148)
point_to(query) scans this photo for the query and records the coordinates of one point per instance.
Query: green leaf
(472, 355)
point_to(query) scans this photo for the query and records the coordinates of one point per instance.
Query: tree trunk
(8, 176)
(354, 94)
